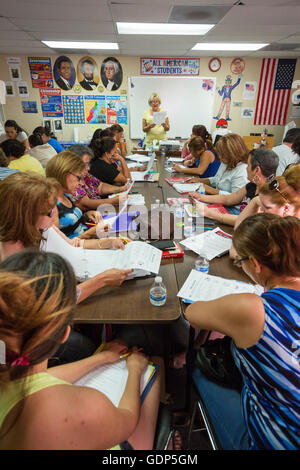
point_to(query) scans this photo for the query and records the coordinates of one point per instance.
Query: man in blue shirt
(47, 139)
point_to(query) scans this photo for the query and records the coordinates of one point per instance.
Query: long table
(130, 303)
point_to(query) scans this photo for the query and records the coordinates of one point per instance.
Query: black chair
(164, 429)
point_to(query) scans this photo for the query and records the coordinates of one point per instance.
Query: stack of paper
(140, 256)
(210, 244)
(138, 158)
(204, 287)
(185, 188)
(144, 176)
(175, 159)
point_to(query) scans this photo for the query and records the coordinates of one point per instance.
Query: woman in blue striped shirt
(266, 340)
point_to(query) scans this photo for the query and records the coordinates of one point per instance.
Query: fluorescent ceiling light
(164, 28)
(219, 46)
(81, 45)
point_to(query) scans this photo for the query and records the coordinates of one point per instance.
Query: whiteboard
(187, 100)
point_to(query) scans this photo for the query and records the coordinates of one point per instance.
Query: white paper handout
(184, 188)
(140, 256)
(138, 158)
(202, 286)
(175, 159)
(159, 117)
(211, 244)
(111, 380)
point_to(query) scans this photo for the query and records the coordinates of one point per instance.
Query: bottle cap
(158, 279)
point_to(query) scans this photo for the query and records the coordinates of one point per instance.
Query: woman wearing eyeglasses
(265, 334)
(68, 169)
(279, 196)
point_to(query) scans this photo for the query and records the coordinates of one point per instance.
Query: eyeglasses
(79, 178)
(50, 213)
(274, 185)
(238, 262)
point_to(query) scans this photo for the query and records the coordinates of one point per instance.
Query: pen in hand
(123, 356)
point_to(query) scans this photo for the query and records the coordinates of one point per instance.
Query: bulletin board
(187, 100)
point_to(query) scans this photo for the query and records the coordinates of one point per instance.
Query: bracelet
(221, 215)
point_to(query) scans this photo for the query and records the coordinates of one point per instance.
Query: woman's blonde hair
(151, 98)
(37, 300)
(272, 240)
(24, 197)
(62, 164)
(288, 188)
(232, 149)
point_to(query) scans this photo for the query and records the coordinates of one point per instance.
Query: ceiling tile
(262, 15)
(33, 12)
(198, 14)
(59, 26)
(135, 13)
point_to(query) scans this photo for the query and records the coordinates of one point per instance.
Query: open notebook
(111, 380)
(140, 256)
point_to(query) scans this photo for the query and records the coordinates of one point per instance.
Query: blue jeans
(224, 408)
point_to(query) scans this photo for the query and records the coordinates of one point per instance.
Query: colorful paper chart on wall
(41, 72)
(95, 109)
(116, 109)
(51, 102)
(74, 109)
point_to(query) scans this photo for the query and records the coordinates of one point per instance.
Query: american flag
(276, 79)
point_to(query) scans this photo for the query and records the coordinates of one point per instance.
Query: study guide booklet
(139, 256)
(202, 286)
(210, 244)
(111, 379)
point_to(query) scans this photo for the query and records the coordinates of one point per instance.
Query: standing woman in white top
(232, 173)
(154, 131)
(14, 131)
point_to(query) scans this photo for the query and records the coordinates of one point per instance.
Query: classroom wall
(131, 67)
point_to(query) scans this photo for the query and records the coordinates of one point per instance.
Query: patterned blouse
(88, 188)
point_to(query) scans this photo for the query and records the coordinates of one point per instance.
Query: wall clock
(214, 64)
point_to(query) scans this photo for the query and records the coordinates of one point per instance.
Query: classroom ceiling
(24, 23)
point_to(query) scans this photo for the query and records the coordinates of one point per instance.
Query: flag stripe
(270, 94)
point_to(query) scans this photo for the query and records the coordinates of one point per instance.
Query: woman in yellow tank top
(154, 131)
(40, 408)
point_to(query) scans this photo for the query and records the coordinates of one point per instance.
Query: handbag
(215, 360)
(157, 224)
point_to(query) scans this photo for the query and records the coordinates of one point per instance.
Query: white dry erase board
(187, 100)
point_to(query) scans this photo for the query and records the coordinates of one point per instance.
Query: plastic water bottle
(202, 264)
(158, 292)
(188, 228)
(201, 189)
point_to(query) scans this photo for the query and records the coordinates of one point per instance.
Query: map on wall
(95, 109)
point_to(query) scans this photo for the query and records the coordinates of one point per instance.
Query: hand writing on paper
(113, 350)
(137, 361)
